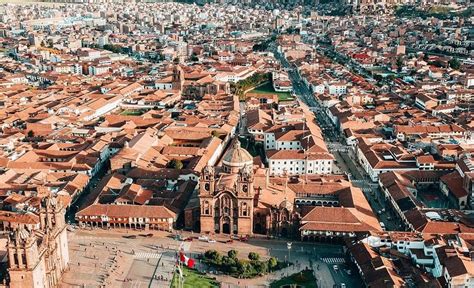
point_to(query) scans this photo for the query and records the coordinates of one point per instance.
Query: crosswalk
(147, 255)
(333, 260)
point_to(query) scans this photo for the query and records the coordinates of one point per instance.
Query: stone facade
(38, 255)
(230, 201)
(226, 208)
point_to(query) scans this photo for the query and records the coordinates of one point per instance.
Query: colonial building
(37, 246)
(226, 195)
(240, 198)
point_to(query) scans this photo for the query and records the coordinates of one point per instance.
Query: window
(244, 209)
(206, 210)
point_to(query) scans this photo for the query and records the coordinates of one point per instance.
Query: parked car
(203, 238)
(130, 236)
(244, 238)
(211, 241)
(335, 267)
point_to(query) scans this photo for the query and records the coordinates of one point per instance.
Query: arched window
(206, 208)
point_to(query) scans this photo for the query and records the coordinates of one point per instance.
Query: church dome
(237, 157)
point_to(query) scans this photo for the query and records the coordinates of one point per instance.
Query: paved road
(318, 256)
(335, 141)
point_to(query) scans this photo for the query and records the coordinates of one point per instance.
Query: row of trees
(242, 268)
(440, 12)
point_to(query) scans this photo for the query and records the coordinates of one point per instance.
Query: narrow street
(338, 147)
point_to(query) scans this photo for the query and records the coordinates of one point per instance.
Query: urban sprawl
(237, 144)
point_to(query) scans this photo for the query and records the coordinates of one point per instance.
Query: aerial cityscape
(224, 143)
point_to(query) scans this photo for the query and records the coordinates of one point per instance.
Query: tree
(113, 48)
(215, 133)
(228, 263)
(232, 254)
(194, 57)
(175, 164)
(454, 64)
(399, 64)
(272, 263)
(254, 256)
(213, 256)
(31, 134)
(243, 267)
(260, 267)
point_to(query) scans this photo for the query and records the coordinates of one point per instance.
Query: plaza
(120, 258)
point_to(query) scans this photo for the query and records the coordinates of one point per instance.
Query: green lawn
(193, 279)
(268, 89)
(305, 279)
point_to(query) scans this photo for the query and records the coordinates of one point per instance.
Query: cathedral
(233, 200)
(227, 197)
(37, 246)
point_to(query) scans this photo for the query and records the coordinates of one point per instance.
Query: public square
(106, 258)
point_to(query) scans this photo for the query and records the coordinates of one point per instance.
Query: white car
(211, 241)
(203, 238)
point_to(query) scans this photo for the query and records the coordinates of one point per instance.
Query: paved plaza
(106, 258)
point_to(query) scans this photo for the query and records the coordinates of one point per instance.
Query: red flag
(189, 262)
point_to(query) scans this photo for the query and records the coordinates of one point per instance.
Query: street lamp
(288, 245)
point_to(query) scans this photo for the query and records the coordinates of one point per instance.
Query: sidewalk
(165, 270)
(323, 276)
